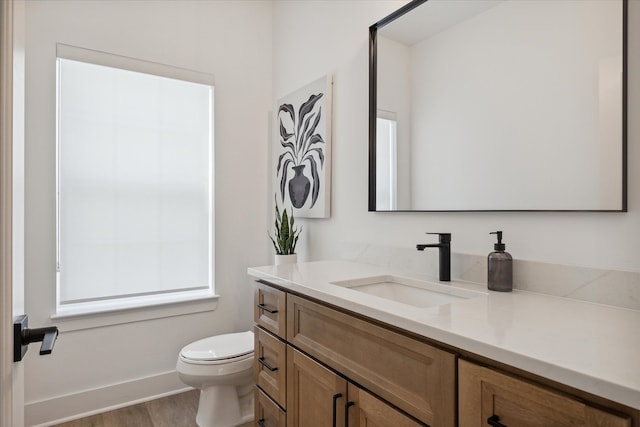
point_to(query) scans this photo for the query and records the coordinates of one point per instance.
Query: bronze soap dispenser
(500, 267)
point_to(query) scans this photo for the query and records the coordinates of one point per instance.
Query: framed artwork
(302, 150)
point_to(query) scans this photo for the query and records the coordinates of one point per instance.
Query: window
(134, 183)
(387, 164)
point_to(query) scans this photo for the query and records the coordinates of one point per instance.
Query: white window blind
(135, 214)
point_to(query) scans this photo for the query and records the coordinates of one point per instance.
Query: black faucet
(444, 247)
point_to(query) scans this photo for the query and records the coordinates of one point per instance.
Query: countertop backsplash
(611, 287)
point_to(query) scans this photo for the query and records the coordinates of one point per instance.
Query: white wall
(312, 38)
(232, 41)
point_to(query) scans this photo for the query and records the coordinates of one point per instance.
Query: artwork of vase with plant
(302, 146)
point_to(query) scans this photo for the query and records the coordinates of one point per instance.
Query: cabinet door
(369, 411)
(316, 396)
(512, 402)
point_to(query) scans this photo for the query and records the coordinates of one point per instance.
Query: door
(11, 206)
(316, 396)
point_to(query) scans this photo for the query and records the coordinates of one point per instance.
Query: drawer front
(267, 413)
(270, 309)
(412, 375)
(270, 366)
(510, 401)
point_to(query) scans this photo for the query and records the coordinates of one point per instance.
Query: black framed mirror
(499, 105)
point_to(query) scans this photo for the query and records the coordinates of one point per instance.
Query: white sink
(417, 293)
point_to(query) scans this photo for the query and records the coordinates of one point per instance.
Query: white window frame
(200, 298)
(392, 118)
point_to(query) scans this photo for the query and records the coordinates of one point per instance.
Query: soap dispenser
(500, 267)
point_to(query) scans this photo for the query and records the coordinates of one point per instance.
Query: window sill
(88, 316)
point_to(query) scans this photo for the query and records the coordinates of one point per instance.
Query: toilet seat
(219, 349)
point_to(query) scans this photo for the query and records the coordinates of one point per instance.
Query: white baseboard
(90, 402)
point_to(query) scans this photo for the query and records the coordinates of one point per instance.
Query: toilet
(221, 367)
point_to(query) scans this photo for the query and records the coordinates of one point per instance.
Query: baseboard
(90, 402)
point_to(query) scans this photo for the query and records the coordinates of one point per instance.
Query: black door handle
(267, 309)
(494, 421)
(335, 401)
(266, 365)
(23, 336)
(346, 412)
(261, 422)
(45, 335)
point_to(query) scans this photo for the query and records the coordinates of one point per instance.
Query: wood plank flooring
(178, 410)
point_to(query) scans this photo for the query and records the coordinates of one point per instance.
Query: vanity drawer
(412, 375)
(270, 365)
(267, 413)
(270, 309)
(485, 393)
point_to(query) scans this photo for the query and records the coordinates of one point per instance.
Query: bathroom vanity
(339, 344)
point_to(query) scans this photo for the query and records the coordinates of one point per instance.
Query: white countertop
(592, 347)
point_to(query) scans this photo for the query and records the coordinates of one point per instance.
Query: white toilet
(222, 368)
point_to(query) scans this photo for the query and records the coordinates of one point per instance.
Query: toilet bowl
(221, 367)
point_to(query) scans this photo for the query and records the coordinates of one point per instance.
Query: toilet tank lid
(220, 347)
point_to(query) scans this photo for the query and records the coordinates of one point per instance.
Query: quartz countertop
(592, 347)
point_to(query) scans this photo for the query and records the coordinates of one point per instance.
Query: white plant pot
(286, 259)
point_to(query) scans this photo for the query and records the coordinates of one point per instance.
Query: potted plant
(286, 237)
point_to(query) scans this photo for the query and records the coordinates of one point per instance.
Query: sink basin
(417, 293)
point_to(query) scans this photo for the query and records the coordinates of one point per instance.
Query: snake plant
(286, 236)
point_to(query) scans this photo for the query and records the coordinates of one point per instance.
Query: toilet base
(222, 406)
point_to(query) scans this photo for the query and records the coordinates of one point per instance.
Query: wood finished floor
(178, 410)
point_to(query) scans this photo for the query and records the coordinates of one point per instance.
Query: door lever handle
(45, 335)
(23, 336)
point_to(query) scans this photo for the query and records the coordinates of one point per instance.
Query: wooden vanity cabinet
(490, 398)
(327, 352)
(316, 366)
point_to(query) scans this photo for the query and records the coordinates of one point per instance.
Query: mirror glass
(499, 105)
